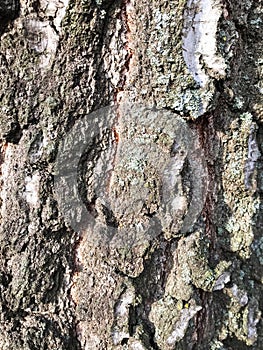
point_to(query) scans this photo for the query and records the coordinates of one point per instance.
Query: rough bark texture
(199, 289)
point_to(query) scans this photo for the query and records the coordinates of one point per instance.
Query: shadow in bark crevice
(150, 287)
(9, 10)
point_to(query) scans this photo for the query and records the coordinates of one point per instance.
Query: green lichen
(240, 201)
(171, 321)
(242, 317)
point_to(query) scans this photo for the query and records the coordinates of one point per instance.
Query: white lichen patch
(121, 313)
(31, 193)
(182, 324)
(55, 9)
(123, 307)
(253, 316)
(161, 20)
(221, 281)
(240, 295)
(252, 159)
(244, 315)
(117, 337)
(199, 43)
(171, 322)
(241, 155)
(199, 40)
(6, 170)
(42, 31)
(136, 345)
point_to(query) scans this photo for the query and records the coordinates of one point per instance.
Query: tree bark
(131, 174)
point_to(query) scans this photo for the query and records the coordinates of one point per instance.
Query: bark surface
(172, 183)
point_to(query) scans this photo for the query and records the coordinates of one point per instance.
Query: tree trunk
(131, 174)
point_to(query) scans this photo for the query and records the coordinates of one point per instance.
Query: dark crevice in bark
(207, 126)
(209, 141)
(9, 10)
(150, 286)
(232, 343)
